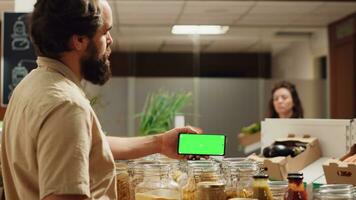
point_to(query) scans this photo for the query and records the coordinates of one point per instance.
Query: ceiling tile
(266, 19)
(219, 20)
(333, 8)
(216, 7)
(294, 7)
(147, 20)
(316, 20)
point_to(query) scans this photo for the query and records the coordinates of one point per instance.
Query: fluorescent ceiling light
(199, 29)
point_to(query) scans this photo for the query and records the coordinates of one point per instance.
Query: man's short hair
(54, 22)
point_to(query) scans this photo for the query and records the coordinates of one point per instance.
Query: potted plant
(159, 110)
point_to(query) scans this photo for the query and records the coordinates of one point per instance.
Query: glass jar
(210, 191)
(200, 172)
(261, 189)
(136, 170)
(296, 189)
(123, 182)
(239, 178)
(176, 172)
(157, 184)
(278, 189)
(228, 161)
(335, 192)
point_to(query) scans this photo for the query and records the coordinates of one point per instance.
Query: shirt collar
(59, 67)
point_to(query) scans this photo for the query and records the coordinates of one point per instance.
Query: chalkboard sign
(18, 53)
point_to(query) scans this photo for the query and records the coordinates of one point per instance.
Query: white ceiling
(145, 25)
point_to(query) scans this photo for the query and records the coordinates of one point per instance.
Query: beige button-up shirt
(52, 142)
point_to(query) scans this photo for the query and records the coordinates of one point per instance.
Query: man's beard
(95, 70)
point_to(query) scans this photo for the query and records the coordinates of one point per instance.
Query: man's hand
(169, 141)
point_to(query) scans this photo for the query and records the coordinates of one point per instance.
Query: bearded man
(53, 147)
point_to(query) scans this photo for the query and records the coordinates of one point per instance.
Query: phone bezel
(225, 138)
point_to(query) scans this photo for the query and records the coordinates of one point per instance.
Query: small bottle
(296, 189)
(261, 189)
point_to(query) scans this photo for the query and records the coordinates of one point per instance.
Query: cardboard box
(339, 172)
(278, 167)
(247, 139)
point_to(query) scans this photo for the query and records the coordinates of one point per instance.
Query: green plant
(160, 109)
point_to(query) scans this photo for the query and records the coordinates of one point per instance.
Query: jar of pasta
(123, 182)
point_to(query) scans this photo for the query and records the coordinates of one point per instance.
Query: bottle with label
(296, 189)
(261, 189)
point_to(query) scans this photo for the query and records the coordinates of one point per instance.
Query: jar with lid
(227, 161)
(296, 189)
(239, 178)
(123, 186)
(210, 191)
(261, 189)
(176, 172)
(136, 170)
(335, 192)
(278, 189)
(201, 172)
(157, 184)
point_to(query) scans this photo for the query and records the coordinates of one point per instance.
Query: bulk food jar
(157, 184)
(278, 189)
(176, 171)
(239, 178)
(136, 169)
(335, 192)
(200, 172)
(210, 191)
(123, 182)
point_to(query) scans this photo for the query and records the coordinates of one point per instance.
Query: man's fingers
(189, 129)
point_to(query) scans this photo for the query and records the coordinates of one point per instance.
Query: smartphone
(201, 144)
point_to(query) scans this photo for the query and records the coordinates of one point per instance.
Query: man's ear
(79, 43)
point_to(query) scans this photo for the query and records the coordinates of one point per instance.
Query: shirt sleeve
(63, 148)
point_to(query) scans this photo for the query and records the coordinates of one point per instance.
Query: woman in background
(285, 102)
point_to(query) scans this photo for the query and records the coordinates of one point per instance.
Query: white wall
(24, 5)
(297, 61)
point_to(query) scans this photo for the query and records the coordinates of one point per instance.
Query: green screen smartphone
(201, 144)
